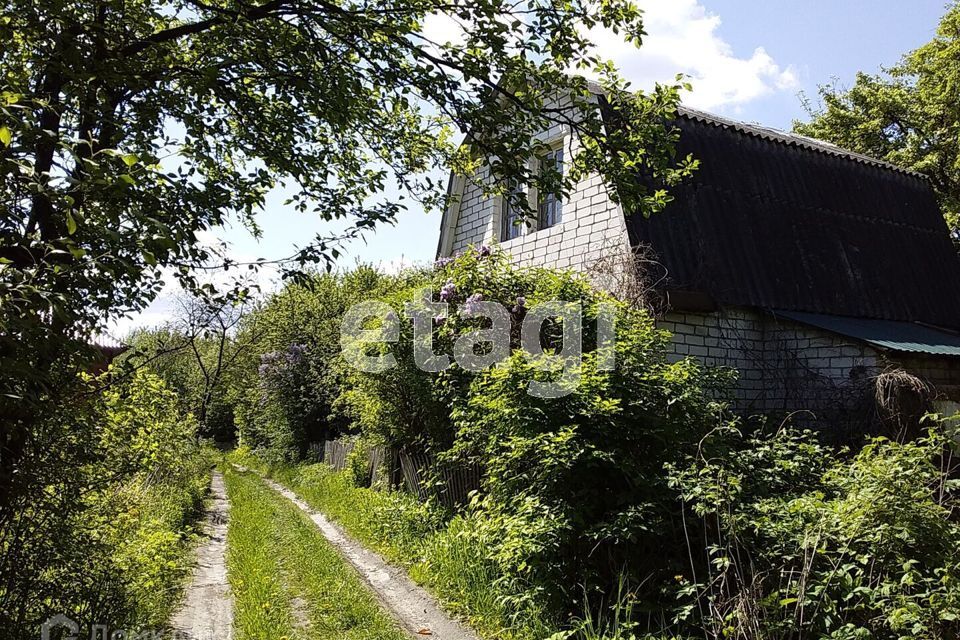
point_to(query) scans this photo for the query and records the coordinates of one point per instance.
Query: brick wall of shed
(731, 338)
(810, 369)
(786, 366)
(783, 366)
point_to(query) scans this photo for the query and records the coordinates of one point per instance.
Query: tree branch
(175, 33)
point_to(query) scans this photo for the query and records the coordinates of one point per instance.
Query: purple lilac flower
(472, 303)
(442, 262)
(439, 320)
(271, 357)
(448, 291)
(263, 369)
(295, 353)
(483, 251)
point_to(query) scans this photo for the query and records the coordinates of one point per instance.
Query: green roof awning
(886, 334)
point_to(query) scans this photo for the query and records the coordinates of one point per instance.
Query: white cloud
(683, 38)
(442, 28)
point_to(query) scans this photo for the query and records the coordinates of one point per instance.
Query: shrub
(358, 462)
(798, 540)
(101, 532)
(575, 492)
(283, 395)
(408, 407)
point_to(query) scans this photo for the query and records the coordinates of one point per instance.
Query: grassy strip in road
(276, 558)
(442, 555)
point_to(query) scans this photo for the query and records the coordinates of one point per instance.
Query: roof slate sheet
(777, 223)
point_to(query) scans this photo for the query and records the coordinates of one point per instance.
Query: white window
(511, 219)
(549, 206)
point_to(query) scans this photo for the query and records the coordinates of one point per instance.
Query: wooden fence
(335, 453)
(416, 471)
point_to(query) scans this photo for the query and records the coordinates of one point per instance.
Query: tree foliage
(130, 128)
(283, 390)
(909, 116)
(198, 354)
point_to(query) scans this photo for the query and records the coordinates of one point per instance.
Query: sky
(751, 60)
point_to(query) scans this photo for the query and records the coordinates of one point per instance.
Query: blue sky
(748, 59)
(822, 39)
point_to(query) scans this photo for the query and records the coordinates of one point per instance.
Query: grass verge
(442, 554)
(288, 582)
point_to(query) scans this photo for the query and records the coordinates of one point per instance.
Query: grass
(442, 554)
(288, 582)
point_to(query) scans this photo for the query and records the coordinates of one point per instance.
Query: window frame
(550, 205)
(509, 228)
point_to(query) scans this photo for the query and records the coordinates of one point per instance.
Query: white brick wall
(783, 365)
(592, 224)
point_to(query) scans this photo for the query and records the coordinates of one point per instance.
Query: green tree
(128, 127)
(197, 354)
(909, 116)
(282, 387)
(101, 518)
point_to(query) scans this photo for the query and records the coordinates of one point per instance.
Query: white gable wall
(592, 224)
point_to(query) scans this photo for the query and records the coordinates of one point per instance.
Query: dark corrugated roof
(784, 137)
(769, 133)
(778, 225)
(887, 334)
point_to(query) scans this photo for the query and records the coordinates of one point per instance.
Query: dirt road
(207, 610)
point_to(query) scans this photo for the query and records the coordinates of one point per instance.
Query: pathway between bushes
(207, 610)
(414, 609)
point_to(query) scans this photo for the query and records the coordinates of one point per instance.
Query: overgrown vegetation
(796, 538)
(633, 506)
(103, 525)
(287, 580)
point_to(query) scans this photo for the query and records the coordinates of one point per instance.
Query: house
(811, 269)
(102, 351)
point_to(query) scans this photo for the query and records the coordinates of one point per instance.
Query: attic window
(549, 207)
(510, 216)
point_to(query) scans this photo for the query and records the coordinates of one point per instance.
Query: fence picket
(388, 468)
